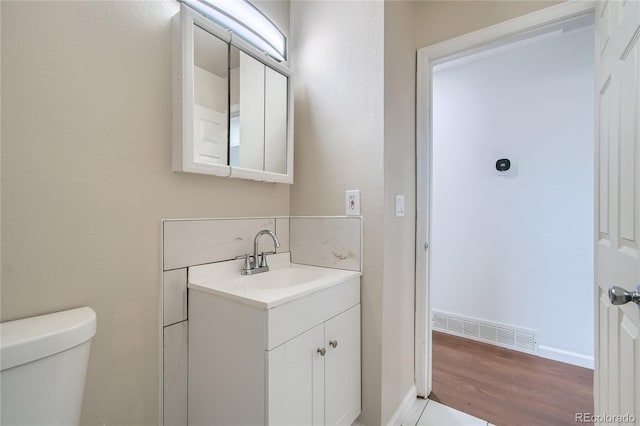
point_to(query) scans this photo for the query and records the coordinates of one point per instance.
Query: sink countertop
(284, 282)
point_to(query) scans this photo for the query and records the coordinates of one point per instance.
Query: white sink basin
(284, 282)
(279, 278)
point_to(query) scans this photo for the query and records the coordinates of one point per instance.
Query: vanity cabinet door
(342, 368)
(296, 380)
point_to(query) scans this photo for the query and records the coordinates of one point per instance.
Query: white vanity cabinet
(294, 361)
(306, 387)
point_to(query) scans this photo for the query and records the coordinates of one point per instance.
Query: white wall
(337, 50)
(517, 249)
(347, 137)
(399, 178)
(355, 110)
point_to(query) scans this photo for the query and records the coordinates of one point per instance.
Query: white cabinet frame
(183, 100)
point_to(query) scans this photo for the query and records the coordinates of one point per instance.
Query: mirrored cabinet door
(275, 122)
(258, 127)
(210, 98)
(249, 85)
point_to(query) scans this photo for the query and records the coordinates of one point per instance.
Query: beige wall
(86, 175)
(338, 65)
(441, 20)
(399, 178)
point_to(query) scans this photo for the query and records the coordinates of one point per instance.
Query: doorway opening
(508, 154)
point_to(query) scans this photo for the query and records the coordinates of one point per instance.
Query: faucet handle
(263, 257)
(247, 261)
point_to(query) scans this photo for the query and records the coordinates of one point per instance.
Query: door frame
(426, 58)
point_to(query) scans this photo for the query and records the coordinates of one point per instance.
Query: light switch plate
(352, 202)
(399, 205)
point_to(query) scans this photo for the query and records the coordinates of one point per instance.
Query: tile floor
(425, 412)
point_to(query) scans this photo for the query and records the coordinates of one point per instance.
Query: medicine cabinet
(232, 105)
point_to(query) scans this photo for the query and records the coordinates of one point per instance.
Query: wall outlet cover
(352, 202)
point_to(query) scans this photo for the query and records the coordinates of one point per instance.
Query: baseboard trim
(565, 356)
(404, 407)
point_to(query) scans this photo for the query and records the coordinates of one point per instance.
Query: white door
(342, 368)
(617, 373)
(296, 380)
(210, 136)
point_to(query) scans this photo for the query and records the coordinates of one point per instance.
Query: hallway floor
(507, 387)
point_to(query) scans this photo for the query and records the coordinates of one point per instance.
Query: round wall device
(503, 165)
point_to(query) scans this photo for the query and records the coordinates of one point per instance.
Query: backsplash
(198, 241)
(333, 242)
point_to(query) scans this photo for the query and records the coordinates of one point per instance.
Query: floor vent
(519, 339)
(526, 341)
(440, 321)
(506, 336)
(455, 325)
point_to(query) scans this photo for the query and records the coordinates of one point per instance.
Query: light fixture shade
(246, 21)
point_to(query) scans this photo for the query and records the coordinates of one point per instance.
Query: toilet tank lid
(30, 339)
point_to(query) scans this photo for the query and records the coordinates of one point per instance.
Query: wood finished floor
(507, 387)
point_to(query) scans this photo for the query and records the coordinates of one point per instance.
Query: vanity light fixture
(246, 21)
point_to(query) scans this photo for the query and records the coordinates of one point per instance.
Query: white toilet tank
(43, 367)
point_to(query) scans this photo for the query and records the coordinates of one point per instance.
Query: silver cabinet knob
(321, 351)
(620, 296)
(333, 343)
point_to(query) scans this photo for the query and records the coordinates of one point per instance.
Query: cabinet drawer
(294, 318)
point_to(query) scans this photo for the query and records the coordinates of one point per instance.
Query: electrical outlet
(352, 201)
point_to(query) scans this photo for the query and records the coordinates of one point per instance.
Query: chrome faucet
(276, 243)
(258, 262)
